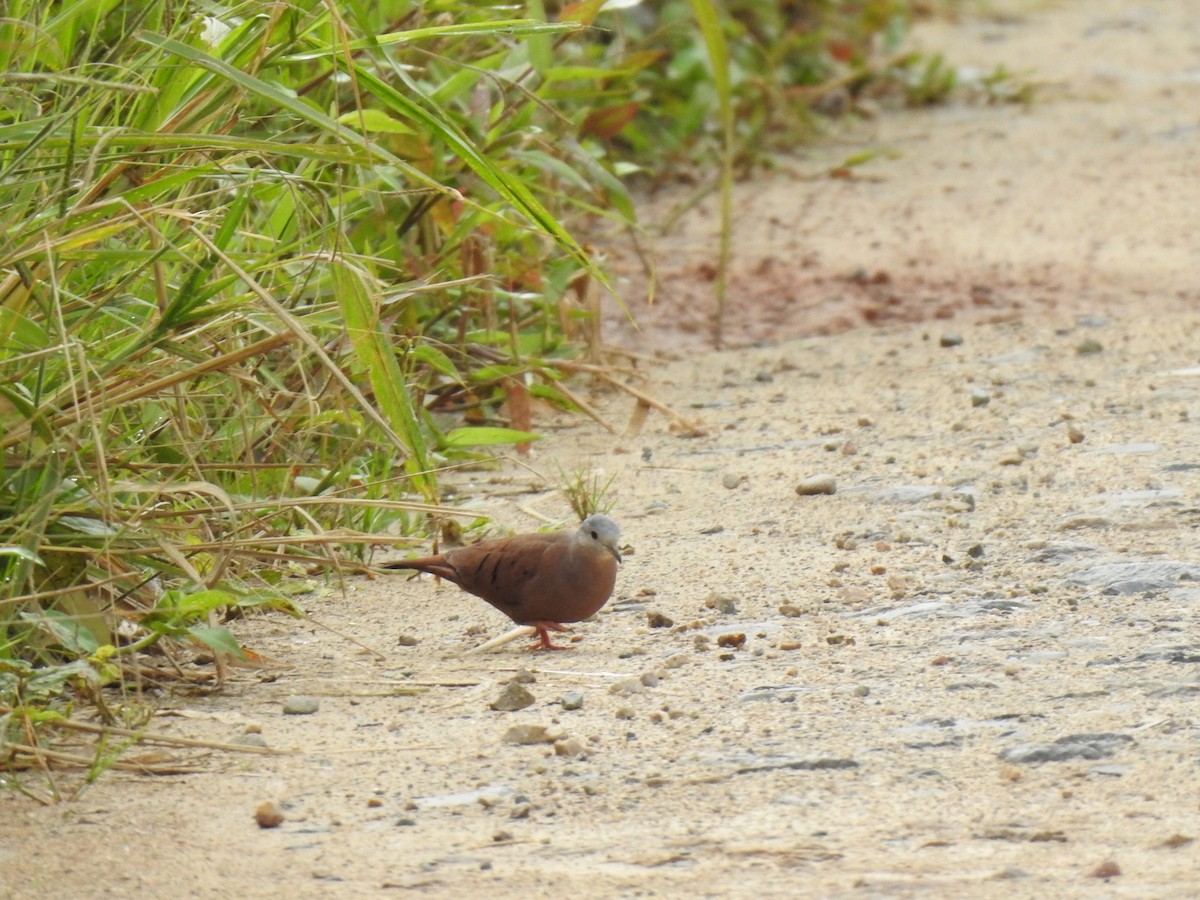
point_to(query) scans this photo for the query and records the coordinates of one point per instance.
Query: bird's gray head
(603, 531)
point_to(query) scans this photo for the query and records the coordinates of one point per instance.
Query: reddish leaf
(520, 413)
(842, 51)
(583, 12)
(607, 121)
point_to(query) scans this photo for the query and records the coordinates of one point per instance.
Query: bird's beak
(617, 553)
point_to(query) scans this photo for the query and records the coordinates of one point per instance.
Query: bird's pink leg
(543, 631)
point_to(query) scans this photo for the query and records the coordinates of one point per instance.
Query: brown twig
(152, 737)
(44, 756)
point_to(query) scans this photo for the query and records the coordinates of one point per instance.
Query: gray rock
(1145, 447)
(796, 763)
(1138, 576)
(1073, 746)
(921, 610)
(300, 705)
(572, 700)
(1059, 551)
(1152, 497)
(910, 493)
(252, 739)
(1186, 655)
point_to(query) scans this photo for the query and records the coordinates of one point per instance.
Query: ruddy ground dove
(540, 579)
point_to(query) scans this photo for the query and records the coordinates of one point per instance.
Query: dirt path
(1083, 202)
(971, 671)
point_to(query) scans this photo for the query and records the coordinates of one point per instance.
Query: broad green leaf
(23, 552)
(486, 436)
(554, 395)
(217, 638)
(436, 360)
(374, 120)
(376, 353)
(193, 606)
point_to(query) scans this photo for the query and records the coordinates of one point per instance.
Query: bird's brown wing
(503, 571)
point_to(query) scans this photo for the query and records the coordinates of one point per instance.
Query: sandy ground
(971, 671)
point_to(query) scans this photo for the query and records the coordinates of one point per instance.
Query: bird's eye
(595, 537)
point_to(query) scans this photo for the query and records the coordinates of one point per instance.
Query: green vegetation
(266, 268)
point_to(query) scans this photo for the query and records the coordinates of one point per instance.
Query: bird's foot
(543, 633)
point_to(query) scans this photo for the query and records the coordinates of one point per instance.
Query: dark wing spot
(495, 566)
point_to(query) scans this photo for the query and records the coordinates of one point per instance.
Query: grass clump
(249, 267)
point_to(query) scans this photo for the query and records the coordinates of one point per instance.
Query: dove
(541, 579)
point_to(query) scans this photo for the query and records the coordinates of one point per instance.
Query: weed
(588, 491)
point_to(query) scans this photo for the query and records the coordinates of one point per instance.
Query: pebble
(572, 700)
(250, 740)
(817, 484)
(569, 748)
(1106, 869)
(731, 481)
(980, 397)
(513, 697)
(407, 640)
(268, 815)
(721, 603)
(1074, 434)
(1076, 522)
(658, 620)
(1088, 347)
(300, 705)
(950, 339)
(790, 610)
(529, 734)
(626, 686)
